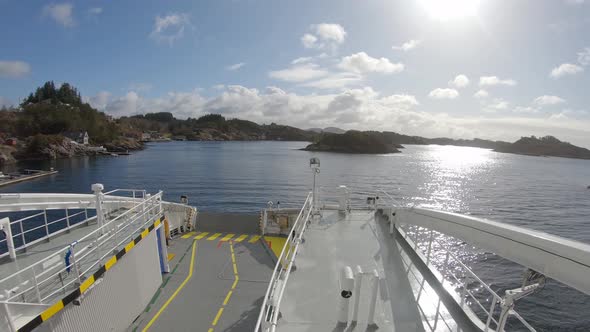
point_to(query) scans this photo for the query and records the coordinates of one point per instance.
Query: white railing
(459, 275)
(61, 272)
(27, 236)
(269, 311)
(134, 193)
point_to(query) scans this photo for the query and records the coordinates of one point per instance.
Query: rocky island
(352, 141)
(544, 146)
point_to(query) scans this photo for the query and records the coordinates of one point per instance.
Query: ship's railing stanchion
(65, 269)
(269, 311)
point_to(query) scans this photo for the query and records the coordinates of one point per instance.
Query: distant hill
(215, 127)
(544, 146)
(332, 130)
(389, 142)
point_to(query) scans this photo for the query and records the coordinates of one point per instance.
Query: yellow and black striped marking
(222, 237)
(59, 305)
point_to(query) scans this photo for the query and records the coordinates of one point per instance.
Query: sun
(450, 9)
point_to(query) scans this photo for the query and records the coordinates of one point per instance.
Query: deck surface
(408, 298)
(203, 303)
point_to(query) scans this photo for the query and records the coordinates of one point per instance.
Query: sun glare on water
(450, 9)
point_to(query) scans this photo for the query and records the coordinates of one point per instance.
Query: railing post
(464, 290)
(9, 316)
(445, 267)
(74, 263)
(36, 285)
(67, 219)
(5, 226)
(46, 226)
(429, 246)
(491, 313)
(97, 189)
(373, 303)
(22, 233)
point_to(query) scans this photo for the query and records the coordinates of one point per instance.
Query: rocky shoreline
(65, 149)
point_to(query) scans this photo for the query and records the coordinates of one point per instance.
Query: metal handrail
(103, 240)
(470, 275)
(284, 271)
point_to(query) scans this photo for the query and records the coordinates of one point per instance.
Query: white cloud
(363, 109)
(444, 93)
(309, 40)
(460, 81)
(494, 80)
(322, 35)
(95, 11)
(235, 66)
(60, 13)
(498, 104)
(301, 60)
(525, 109)
(548, 100)
(335, 81)
(407, 46)
(584, 56)
(13, 69)
(481, 94)
(362, 63)
(298, 73)
(330, 32)
(565, 69)
(99, 101)
(170, 28)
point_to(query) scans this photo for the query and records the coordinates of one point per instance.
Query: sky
(494, 69)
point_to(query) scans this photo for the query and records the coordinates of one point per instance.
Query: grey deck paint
(195, 307)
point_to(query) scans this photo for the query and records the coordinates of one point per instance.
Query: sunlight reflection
(450, 170)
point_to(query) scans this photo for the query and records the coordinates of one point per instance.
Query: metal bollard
(373, 303)
(346, 287)
(358, 277)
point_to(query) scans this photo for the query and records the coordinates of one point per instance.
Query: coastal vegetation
(48, 121)
(354, 141)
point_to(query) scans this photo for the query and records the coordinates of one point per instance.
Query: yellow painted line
(235, 283)
(219, 312)
(202, 235)
(230, 292)
(227, 297)
(145, 233)
(227, 237)
(171, 256)
(188, 277)
(187, 235)
(254, 238)
(241, 238)
(210, 330)
(214, 236)
(52, 310)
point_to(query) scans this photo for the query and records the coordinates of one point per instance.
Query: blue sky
(496, 69)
